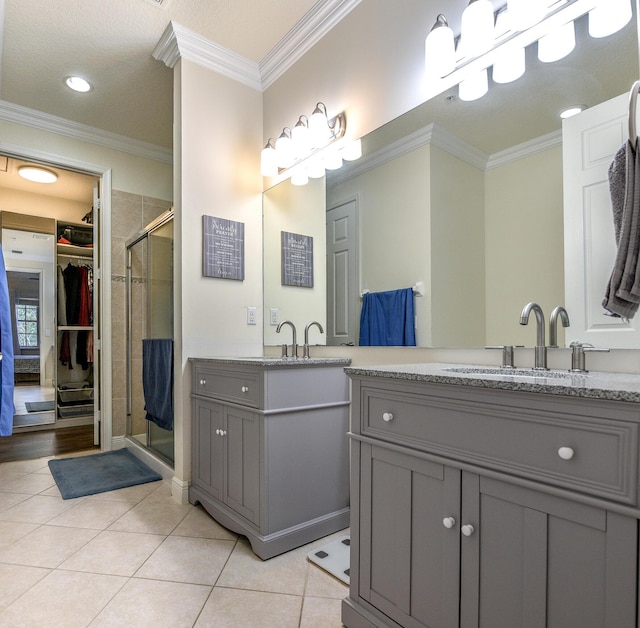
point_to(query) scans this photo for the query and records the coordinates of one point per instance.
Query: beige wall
(524, 197)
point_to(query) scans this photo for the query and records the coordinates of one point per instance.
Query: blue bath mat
(99, 473)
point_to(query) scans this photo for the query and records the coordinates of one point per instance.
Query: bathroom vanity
(493, 500)
(270, 448)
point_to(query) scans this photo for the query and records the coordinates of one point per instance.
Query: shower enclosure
(149, 315)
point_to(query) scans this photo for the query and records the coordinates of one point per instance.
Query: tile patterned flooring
(135, 558)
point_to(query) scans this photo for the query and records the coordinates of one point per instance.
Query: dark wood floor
(27, 445)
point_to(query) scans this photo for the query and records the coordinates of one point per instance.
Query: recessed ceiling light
(78, 84)
(37, 174)
(574, 110)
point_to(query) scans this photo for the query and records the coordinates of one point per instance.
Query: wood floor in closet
(28, 445)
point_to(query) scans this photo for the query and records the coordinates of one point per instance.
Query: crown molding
(54, 124)
(317, 22)
(431, 134)
(526, 149)
(180, 42)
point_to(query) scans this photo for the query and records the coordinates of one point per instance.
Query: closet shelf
(75, 327)
(72, 250)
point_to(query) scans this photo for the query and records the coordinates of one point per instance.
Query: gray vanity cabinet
(445, 535)
(270, 448)
(226, 457)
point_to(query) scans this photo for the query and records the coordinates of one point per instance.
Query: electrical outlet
(252, 316)
(274, 316)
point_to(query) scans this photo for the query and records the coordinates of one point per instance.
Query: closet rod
(633, 99)
(84, 258)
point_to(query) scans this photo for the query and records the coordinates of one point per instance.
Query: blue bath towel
(387, 319)
(157, 380)
(7, 407)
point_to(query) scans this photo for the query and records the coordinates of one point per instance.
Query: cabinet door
(242, 485)
(409, 560)
(208, 447)
(535, 560)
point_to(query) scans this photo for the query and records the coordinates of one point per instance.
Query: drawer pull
(220, 432)
(387, 417)
(245, 389)
(203, 382)
(566, 453)
(448, 522)
(467, 529)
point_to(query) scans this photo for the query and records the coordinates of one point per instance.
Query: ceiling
(110, 43)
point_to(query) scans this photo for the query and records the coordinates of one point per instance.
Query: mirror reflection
(29, 258)
(465, 197)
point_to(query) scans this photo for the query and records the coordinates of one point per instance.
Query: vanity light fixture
(608, 17)
(509, 65)
(310, 148)
(440, 49)
(78, 84)
(557, 44)
(37, 174)
(518, 24)
(476, 30)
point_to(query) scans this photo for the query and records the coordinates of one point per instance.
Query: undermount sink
(506, 371)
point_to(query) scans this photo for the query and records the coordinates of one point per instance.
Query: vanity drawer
(241, 387)
(567, 449)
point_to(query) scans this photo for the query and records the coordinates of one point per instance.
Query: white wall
(217, 159)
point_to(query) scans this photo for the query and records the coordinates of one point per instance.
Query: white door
(590, 141)
(342, 274)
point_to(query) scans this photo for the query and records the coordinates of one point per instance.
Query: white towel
(624, 187)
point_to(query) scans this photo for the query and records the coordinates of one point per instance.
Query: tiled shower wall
(130, 214)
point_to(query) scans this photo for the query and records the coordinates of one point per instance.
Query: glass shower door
(150, 313)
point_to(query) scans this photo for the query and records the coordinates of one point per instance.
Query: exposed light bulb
(299, 177)
(557, 44)
(609, 17)
(319, 126)
(315, 168)
(477, 28)
(333, 160)
(268, 161)
(352, 151)
(474, 87)
(284, 150)
(440, 50)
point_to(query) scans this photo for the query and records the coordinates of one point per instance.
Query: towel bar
(633, 99)
(418, 289)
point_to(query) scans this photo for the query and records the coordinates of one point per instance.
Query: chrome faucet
(305, 353)
(553, 324)
(540, 350)
(294, 346)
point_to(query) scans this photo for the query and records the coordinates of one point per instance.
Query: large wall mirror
(465, 198)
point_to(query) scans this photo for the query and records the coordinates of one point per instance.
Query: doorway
(72, 201)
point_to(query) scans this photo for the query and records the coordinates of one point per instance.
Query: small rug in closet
(334, 558)
(99, 473)
(40, 406)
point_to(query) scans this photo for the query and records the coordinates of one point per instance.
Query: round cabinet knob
(467, 529)
(245, 389)
(448, 522)
(387, 417)
(218, 432)
(203, 382)
(566, 453)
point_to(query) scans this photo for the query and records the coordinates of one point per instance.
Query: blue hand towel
(7, 407)
(157, 380)
(387, 319)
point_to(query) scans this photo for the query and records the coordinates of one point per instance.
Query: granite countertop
(275, 362)
(593, 384)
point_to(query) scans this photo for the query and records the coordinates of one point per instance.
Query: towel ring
(633, 99)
